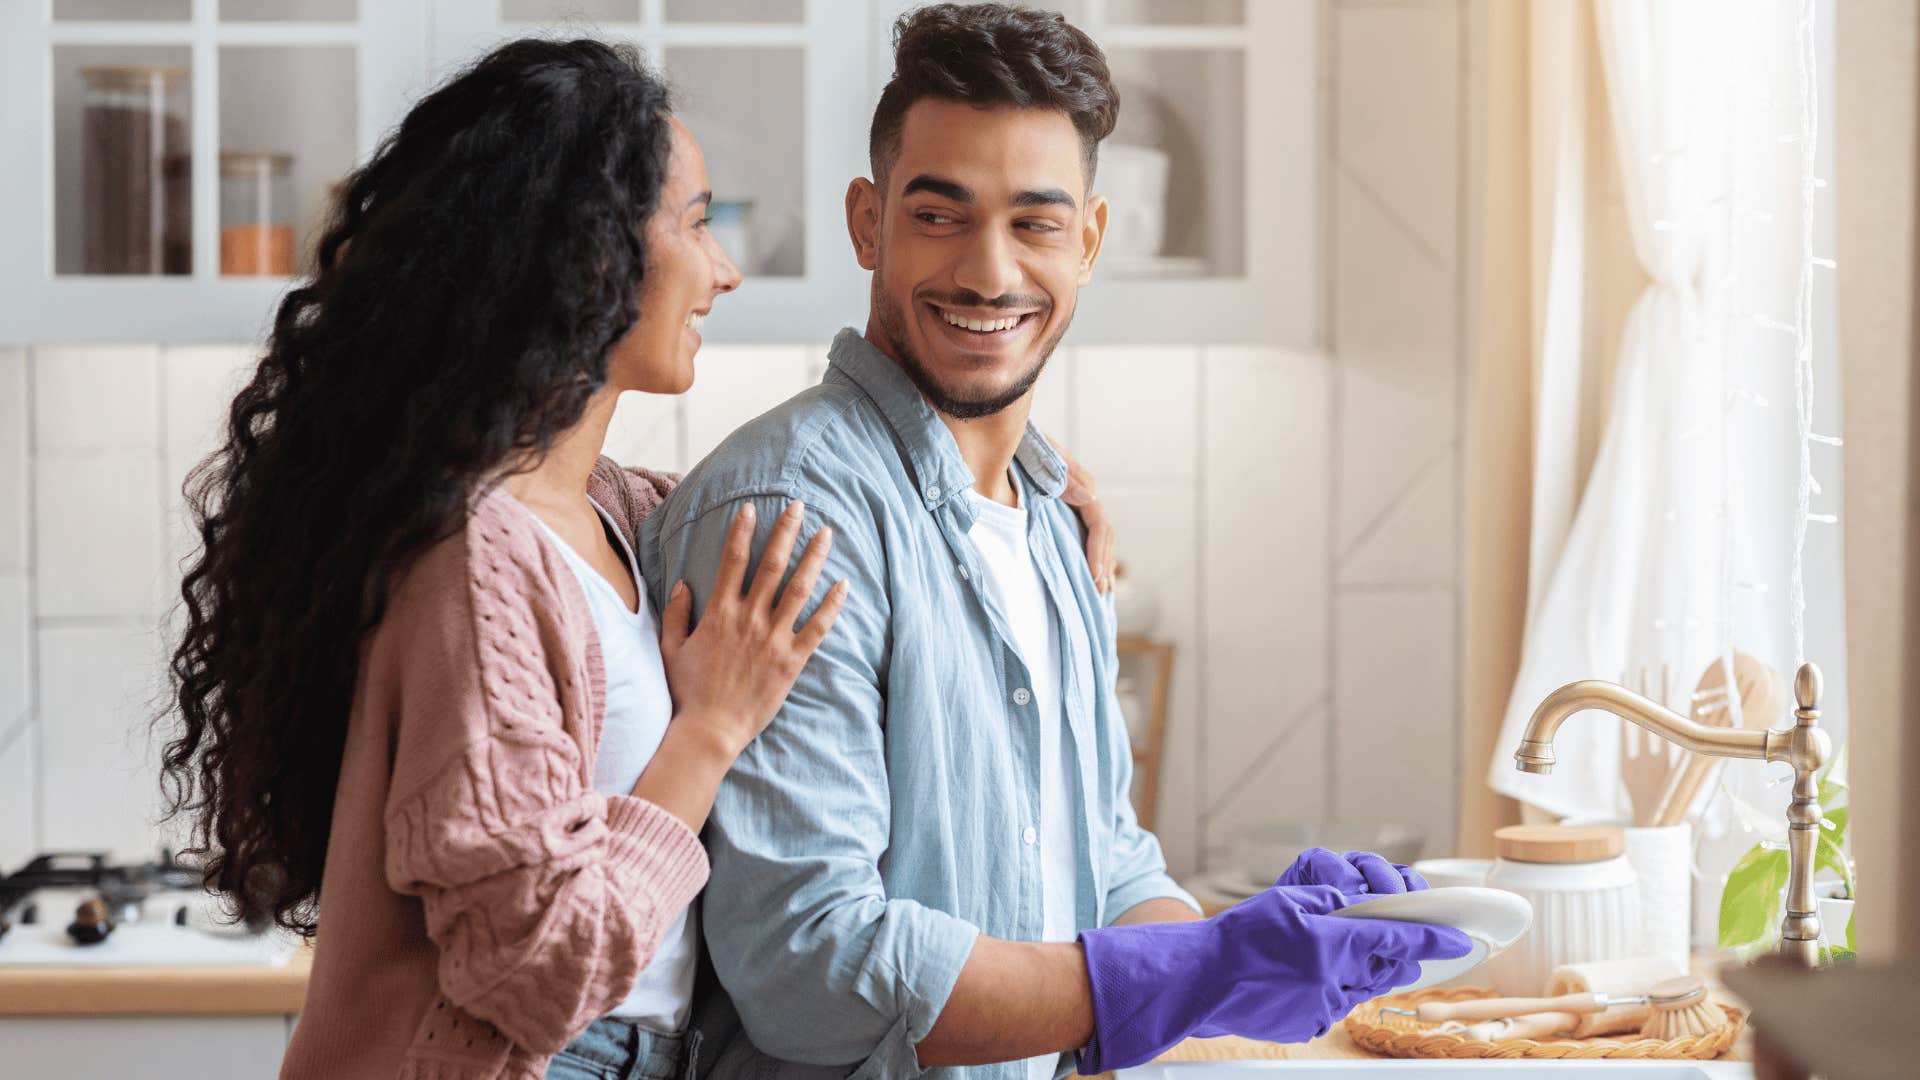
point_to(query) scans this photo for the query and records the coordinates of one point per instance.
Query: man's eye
(1040, 226)
(932, 218)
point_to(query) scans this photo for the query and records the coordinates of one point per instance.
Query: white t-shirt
(999, 534)
(638, 711)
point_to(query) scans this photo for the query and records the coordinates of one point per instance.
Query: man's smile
(976, 328)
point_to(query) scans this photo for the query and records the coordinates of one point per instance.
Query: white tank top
(638, 711)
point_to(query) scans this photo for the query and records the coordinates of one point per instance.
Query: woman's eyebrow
(703, 197)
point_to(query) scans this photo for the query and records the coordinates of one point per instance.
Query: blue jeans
(616, 1049)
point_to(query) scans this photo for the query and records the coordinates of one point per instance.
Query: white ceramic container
(1585, 897)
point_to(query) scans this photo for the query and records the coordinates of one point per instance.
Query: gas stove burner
(121, 888)
(91, 924)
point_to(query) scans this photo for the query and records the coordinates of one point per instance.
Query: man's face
(978, 248)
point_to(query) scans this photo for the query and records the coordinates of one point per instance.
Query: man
(929, 860)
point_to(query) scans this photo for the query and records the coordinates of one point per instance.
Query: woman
(420, 688)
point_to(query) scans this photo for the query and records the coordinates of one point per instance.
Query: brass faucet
(1804, 746)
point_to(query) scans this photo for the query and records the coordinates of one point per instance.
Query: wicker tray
(1406, 1037)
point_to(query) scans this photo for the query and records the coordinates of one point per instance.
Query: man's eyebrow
(946, 189)
(1045, 197)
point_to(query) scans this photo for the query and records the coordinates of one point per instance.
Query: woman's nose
(726, 276)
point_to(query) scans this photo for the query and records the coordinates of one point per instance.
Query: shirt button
(963, 574)
(934, 493)
(1022, 696)
(1029, 837)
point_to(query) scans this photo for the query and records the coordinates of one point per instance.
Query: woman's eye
(703, 222)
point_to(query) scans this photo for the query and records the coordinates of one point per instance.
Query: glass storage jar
(256, 213)
(135, 170)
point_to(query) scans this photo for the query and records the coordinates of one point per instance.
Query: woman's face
(685, 270)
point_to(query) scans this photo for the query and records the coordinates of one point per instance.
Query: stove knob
(180, 915)
(91, 924)
(30, 915)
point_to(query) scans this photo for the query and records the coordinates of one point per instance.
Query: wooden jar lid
(1559, 843)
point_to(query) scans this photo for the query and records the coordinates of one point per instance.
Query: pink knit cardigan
(481, 904)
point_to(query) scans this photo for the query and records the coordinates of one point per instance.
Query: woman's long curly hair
(470, 284)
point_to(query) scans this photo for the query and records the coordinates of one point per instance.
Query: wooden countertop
(154, 989)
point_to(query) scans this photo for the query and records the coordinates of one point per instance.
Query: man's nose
(988, 266)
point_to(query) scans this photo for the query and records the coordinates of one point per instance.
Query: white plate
(1493, 918)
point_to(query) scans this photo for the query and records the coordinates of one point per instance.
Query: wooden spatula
(1762, 694)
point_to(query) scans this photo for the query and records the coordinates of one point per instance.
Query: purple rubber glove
(1274, 967)
(1357, 873)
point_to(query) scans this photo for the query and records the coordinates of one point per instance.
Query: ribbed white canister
(1585, 896)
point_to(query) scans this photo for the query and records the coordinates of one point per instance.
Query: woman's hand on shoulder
(730, 675)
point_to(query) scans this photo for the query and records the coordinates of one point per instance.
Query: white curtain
(1684, 542)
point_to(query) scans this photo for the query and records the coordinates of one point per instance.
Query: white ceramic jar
(1585, 896)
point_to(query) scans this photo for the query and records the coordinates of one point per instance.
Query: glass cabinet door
(776, 93)
(185, 154)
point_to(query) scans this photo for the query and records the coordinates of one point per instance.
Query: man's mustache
(969, 298)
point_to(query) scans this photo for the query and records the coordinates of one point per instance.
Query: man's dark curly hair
(473, 278)
(994, 54)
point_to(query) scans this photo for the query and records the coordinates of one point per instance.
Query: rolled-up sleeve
(822, 965)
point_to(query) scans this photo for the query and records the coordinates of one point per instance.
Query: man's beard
(893, 326)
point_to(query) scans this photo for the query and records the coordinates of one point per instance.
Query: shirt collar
(938, 468)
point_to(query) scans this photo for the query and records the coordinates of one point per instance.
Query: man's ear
(863, 221)
(1093, 233)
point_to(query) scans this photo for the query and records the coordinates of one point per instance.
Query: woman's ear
(1093, 232)
(863, 221)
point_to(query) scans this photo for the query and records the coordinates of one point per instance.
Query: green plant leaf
(1851, 947)
(1833, 784)
(1829, 851)
(1752, 897)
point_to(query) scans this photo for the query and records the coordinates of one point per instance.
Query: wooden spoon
(1762, 693)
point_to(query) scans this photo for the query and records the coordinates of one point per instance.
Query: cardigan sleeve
(544, 898)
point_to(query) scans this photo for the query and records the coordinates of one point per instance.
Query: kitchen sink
(1420, 1069)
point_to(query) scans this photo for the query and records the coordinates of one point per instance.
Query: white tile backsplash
(1053, 400)
(1394, 316)
(198, 385)
(19, 764)
(1217, 465)
(16, 651)
(96, 397)
(736, 383)
(1136, 411)
(1264, 466)
(14, 460)
(1156, 536)
(1287, 782)
(646, 431)
(1412, 542)
(1396, 160)
(1395, 693)
(97, 534)
(98, 690)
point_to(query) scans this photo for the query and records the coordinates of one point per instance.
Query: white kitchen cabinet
(780, 92)
(150, 1047)
(316, 80)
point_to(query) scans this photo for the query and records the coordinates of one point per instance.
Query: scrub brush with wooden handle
(1681, 1008)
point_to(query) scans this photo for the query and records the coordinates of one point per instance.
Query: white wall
(1213, 461)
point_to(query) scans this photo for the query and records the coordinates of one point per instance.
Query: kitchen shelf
(780, 93)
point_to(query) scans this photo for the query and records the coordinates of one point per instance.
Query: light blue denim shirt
(889, 814)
